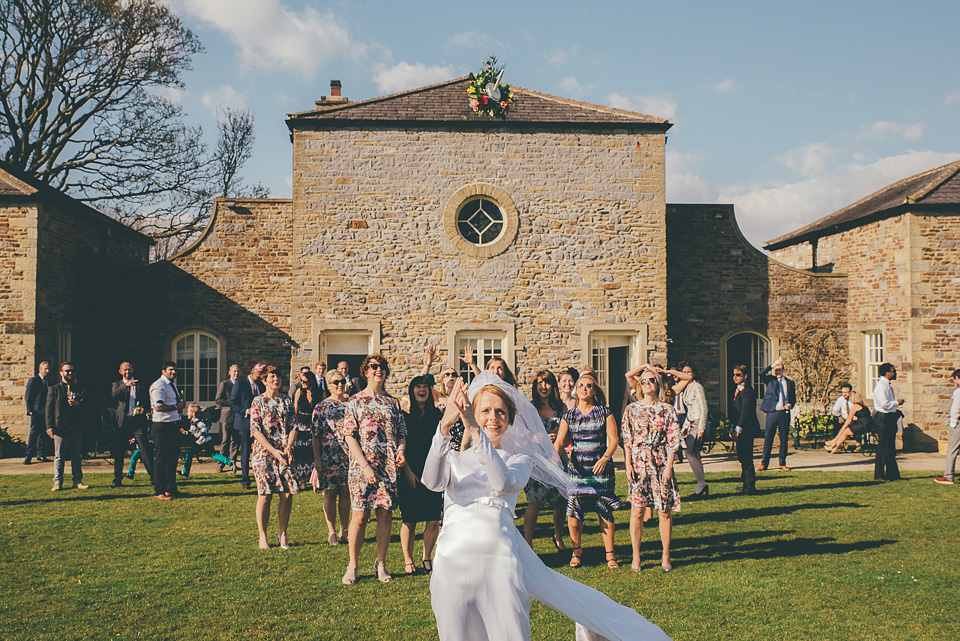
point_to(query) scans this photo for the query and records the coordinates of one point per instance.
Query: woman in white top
(484, 572)
(691, 396)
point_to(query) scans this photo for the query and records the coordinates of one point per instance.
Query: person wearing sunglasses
(592, 429)
(746, 426)
(64, 422)
(375, 435)
(330, 457)
(651, 438)
(546, 399)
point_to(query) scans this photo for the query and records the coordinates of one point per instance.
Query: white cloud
(724, 86)
(267, 34)
(223, 97)
(572, 88)
(469, 40)
(885, 130)
(560, 57)
(810, 160)
(403, 75)
(173, 94)
(684, 184)
(658, 105)
(953, 98)
(766, 211)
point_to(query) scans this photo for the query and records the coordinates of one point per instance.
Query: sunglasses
(585, 385)
(737, 375)
(376, 366)
(449, 374)
(339, 381)
(651, 381)
(67, 371)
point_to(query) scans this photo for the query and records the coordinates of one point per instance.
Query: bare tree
(818, 361)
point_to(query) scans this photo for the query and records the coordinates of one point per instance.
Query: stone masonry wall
(589, 250)
(18, 305)
(719, 285)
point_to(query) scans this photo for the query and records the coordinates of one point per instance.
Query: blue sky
(787, 110)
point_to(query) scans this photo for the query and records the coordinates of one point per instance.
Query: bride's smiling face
(492, 415)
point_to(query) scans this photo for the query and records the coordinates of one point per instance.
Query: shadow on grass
(730, 547)
(757, 512)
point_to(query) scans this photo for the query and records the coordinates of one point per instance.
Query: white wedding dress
(484, 572)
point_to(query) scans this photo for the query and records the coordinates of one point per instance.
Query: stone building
(65, 269)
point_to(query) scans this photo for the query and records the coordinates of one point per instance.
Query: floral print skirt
(648, 488)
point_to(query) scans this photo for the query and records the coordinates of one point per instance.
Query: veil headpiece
(526, 435)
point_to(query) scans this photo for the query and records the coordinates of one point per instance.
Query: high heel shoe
(575, 558)
(410, 568)
(350, 576)
(704, 493)
(381, 571)
(558, 543)
(332, 539)
(612, 561)
(283, 546)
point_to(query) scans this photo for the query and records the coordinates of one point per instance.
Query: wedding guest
(841, 406)
(273, 427)
(779, 397)
(64, 418)
(35, 396)
(375, 436)
(858, 421)
(691, 397)
(354, 384)
(651, 438)
(886, 412)
(305, 400)
(417, 503)
(592, 430)
(496, 365)
(320, 371)
(448, 378)
(131, 401)
(198, 438)
(330, 458)
(745, 427)
(953, 443)
(429, 358)
(565, 383)
(167, 403)
(546, 399)
(297, 382)
(241, 399)
(229, 442)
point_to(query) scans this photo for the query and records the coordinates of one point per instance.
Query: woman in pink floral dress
(274, 429)
(375, 435)
(331, 458)
(651, 438)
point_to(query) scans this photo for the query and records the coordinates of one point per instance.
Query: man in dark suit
(131, 400)
(241, 399)
(320, 370)
(35, 397)
(744, 427)
(64, 419)
(779, 397)
(229, 445)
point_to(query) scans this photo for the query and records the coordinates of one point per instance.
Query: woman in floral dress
(274, 429)
(375, 436)
(330, 459)
(651, 438)
(546, 398)
(592, 430)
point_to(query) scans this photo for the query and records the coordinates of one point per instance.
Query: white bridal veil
(526, 435)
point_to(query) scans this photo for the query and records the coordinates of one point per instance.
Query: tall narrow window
(486, 345)
(197, 355)
(760, 354)
(873, 357)
(599, 362)
(64, 345)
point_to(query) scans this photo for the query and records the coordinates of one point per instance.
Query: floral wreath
(493, 103)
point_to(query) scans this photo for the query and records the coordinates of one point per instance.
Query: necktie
(176, 392)
(253, 386)
(783, 393)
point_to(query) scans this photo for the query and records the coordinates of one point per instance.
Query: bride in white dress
(484, 572)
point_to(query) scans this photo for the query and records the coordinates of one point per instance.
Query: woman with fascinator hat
(484, 572)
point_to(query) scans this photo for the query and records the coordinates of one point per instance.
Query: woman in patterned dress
(375, 436)
(331, 460)
(651, 438)
(546, 399)
(592, 430)
(274, 429)
(305, 398)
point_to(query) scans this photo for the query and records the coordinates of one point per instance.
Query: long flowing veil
(526, 435)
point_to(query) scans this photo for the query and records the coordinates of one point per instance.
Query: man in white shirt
(886, 411)
(167, 402)
(841, 406)
(953, 442)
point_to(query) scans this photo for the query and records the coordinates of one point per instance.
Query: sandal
(558, 543)
(427, 566)
(410, 568)
(350, 576)
(575, 558)
(332, 539)
(612, 561)
(381, 571)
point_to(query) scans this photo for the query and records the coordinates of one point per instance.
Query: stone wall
(588, 252)
(18, 306)
(719, 285)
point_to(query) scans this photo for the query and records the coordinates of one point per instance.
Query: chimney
(334, 99)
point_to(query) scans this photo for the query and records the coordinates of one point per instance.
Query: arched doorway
(751, 349)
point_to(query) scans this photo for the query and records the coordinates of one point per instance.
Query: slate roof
(446, 103)
(17, 186)
(936, 188)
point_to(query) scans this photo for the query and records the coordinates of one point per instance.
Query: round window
(480, 221)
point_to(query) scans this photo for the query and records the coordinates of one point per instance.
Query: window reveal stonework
(481, 220)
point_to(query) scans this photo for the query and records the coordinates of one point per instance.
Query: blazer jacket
(120, 393)
(771, 392)
(35, 396)
(62, 419)
(241, 399)
(224, 390)
(745, 410)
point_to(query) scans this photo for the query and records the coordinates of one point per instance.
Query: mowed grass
(814, 556)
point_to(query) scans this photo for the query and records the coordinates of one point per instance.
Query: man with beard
(64, 419)
(886, 411)
(131, 400)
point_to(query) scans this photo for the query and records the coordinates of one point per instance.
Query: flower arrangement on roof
(488, 95)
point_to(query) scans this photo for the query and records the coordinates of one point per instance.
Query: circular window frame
(511, 219)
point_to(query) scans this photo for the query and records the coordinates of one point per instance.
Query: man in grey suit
(35, 397)
(228, 444)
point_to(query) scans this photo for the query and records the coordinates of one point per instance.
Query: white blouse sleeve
(436, 469)
(505, 479)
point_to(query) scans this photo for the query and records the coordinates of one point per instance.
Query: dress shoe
(27, 461)
(784, 468)
(116, 484)
(81, 486)
(42, 459)
(761, 468)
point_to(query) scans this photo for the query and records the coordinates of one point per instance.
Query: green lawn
(815, 556)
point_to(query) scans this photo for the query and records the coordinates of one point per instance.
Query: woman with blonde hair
(331, 459)
(592, 429)
(859, 421)
(651, 438)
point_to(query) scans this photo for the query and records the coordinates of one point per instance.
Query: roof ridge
(16, 179)
(590, 105)
(944, 173)
(370, 101)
